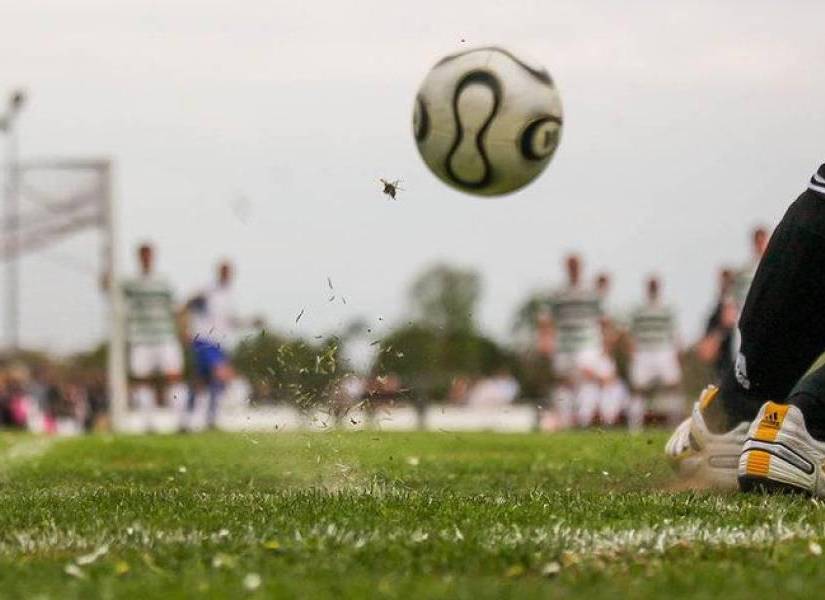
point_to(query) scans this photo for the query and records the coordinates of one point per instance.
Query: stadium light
(17, 100)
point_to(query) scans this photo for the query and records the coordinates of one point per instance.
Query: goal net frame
(70, 217)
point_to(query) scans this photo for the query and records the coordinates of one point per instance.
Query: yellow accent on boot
(771, 421)
(773, 415)
(707, 396)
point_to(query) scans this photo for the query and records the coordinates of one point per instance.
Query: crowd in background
(44, 399)
(583, 362)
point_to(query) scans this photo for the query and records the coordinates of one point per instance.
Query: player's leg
(614, 402)
(170, 355)
(669, 374)
(214, 363)
(588, 388)
(141, 367)
(781, 326)
(587, 398)
(602, 374)
(782, 334)
(203, 372)
(809, 396)
(642, 379)
(222, 374)
(562, 413)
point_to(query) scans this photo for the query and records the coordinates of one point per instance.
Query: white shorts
(164, 358)
(571, 364)
(652, 366)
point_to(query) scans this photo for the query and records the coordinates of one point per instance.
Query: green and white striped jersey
(150, 310)
(653, 327)
(577, 316)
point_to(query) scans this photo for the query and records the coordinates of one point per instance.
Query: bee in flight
(391, 187)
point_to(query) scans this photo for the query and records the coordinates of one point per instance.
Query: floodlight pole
(11, 207)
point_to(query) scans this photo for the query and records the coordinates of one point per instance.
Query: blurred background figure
(152, 337)
(15, 404)
(743, 277)
(576, 347)
(716, 346)
(212, 327)
(606, 389)
(655, 372)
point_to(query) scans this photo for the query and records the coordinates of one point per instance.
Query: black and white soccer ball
(487, 122)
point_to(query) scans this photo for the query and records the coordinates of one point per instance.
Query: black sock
(733, 406)
(809, 396)
(813, 409)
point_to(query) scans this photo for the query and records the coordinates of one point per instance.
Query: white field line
(25, 449)
(586, 544)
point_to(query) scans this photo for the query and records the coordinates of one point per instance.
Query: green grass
(379, 515)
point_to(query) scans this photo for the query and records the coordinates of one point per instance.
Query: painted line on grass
(25, 449)
(587, 544)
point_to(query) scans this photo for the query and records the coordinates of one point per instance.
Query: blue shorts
(208, 356)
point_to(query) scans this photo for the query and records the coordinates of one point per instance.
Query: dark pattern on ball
(491, 82)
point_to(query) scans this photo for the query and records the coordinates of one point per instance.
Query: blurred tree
(93, 359)
(290, 369)
(443, 342)
(428, 360)
(445, 297)
(534, 371)
(527, 314)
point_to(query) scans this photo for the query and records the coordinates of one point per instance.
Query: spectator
(716, 346)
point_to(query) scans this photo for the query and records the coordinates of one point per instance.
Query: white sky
(258, 130)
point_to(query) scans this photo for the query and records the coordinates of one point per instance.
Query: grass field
(367, 514)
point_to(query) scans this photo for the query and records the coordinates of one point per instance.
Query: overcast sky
(258, 130)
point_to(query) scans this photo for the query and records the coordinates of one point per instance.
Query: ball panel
(503, 61)
(475, 104)
(540, 138)
(511, 170)
(421, 120)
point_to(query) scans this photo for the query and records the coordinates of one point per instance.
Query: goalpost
(49, 203)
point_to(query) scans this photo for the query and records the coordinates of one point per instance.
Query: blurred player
(152, 337)
(212, 324)
(744, 276)
(606, 396)
(576, 343)
(716, 346)
(655, 356)
(765, 423)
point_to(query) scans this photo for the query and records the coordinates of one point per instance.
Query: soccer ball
(486, 122)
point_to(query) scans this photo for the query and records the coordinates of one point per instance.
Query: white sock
(587, 403)
(613, 401)
(673, 405)
(177, 397)
(636, 413)
(564, 406)
(146, 404)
